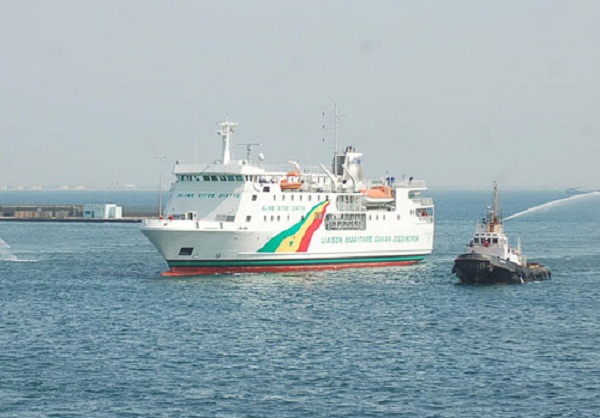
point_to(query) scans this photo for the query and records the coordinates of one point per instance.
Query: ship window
(266, 189)
(230, 177)
(222, 177)
(254, 197)
(476, 240)
(309, 197)
(292, 197)
(239, 177)
(398, 217)
(272, 218)
(278, 218)
(300, 197)
(214, 178)
(282, 198)
(495, 240)
(265, 218)
(186, 251)
(346, 222)
(206, 178)
(274, 197)
(248, 218)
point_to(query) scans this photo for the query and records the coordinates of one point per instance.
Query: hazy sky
(460, 93)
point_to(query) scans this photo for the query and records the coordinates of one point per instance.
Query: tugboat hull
(483, 269)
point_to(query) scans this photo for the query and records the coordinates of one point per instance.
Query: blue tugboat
(489, 259)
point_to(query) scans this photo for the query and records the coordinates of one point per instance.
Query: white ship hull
(230, 251)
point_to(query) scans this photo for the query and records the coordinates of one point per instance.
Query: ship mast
(326, 121)
(495, 214)
(335, 154)
(227, 128)
(494, 219)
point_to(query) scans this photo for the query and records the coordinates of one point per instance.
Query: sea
(90, 328)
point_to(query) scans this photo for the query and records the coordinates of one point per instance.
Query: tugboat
(489, 259)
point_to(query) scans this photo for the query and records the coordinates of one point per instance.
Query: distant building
(102, 211)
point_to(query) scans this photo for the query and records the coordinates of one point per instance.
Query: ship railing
(423, 201)
(285, 168)
(411, 184)
(402, 184)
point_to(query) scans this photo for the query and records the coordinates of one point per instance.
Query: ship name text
(208, 195)
(353, 239)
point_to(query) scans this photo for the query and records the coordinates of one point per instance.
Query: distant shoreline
(72, 220)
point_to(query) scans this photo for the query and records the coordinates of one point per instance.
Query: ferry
(489, 259)
(241, 216)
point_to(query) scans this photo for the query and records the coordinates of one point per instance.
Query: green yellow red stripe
(297, 238)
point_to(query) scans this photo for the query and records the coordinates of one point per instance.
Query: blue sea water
(89, 328)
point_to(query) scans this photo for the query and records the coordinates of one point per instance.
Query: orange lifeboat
(378, 194)
(291, 182)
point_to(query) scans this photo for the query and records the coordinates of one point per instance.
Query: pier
(70, 213)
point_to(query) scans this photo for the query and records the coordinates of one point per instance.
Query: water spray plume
(553, 204)
(5, 253)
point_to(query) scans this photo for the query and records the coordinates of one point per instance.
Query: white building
(102, 211)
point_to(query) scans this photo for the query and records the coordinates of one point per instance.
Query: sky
(460, 93)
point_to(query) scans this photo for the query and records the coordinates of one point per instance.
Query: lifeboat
(378, 194)
(291, 182)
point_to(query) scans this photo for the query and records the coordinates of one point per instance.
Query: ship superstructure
(241, 216)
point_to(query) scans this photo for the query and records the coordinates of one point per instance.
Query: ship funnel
(350, 166)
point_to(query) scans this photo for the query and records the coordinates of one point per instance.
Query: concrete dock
(70, 213)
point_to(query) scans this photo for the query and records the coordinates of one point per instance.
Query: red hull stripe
(190, 270)
(311, 230)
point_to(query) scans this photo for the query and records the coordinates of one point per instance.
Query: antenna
(160, 159)
(495, 214)
(197, 137)
(335, 120)
(249, 150)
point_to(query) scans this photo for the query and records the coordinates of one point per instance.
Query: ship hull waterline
(198, 268)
